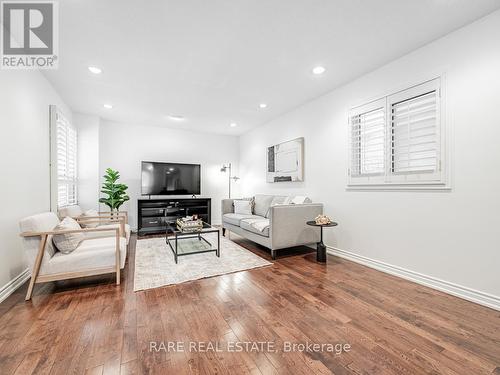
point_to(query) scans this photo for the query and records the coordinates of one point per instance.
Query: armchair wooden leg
(36, 266)
(273, 254)
(118, 258)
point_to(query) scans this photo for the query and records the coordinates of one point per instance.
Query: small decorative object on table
(321, 221)
(189, 224)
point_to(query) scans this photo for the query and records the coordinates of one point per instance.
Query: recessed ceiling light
(318, 70)
(95, 70)
(233, 124)
(262, 105)
(108, 106)
(176, 117)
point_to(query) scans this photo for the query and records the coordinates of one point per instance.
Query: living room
(249, 187)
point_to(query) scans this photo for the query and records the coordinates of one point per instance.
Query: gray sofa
(273, 224)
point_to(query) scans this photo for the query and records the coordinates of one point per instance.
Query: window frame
(437, 180)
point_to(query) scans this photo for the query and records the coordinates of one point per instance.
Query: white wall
(452, 236)
(25, 97)
(88, 160)
(124, 146)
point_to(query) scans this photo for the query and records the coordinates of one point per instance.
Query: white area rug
(155, 265)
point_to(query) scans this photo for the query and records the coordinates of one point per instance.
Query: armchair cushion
(67, 242)
(90, 254)
(107, 234)
(89, 213)
(71, 211)
(38, 223)
(77, 211)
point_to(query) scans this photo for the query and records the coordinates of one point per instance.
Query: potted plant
(116, 193)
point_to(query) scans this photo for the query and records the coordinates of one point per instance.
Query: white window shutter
(415, 146)
(367, 143)
(65, 149)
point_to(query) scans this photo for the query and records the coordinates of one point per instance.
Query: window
(398, 140)
(64, 157)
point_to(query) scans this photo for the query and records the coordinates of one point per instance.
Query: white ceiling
(215, 61)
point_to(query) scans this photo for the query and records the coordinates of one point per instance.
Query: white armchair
(77, 213)
(93, 256)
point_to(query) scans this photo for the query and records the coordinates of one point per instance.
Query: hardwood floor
(91, 326)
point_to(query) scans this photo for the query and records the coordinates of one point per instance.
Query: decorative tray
(189, 225)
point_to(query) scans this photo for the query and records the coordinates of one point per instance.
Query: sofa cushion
(235, 219)
(90, 254)
(67, 242)
(262, 204)
(258, 226)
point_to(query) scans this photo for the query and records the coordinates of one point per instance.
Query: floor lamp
(231, 178)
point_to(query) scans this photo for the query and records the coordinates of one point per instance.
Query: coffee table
(177, 241)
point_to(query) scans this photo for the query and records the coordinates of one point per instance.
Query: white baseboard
(468, 294)
(14, 284)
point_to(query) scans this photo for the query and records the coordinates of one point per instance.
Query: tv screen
(170, 178)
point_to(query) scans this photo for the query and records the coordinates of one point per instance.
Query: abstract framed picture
(285, 161)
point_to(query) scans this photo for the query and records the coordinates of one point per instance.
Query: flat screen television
(170, 178)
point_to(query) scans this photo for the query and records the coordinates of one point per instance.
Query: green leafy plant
(116, 193)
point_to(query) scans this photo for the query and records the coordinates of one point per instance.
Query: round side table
(321, 248)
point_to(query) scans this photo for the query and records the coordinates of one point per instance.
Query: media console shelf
(155, 214)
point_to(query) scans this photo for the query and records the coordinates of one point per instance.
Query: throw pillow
(262, 204)
(242, 207)
(67, 242)
(89, 213)
(300, 199)
(277, 201)
(252, 201)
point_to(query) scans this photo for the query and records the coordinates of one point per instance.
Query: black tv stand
(155, 214)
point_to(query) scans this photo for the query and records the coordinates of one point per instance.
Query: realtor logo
(29, 35)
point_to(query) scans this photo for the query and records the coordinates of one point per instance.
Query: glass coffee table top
(172, 229)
